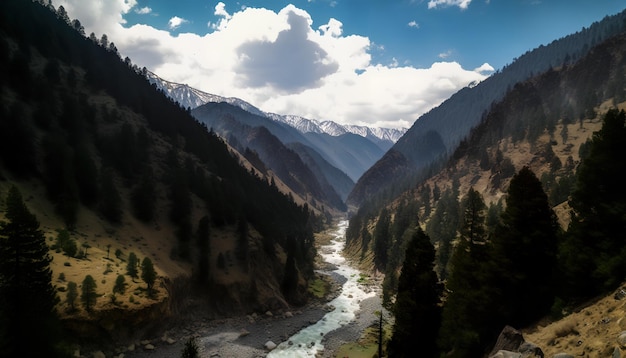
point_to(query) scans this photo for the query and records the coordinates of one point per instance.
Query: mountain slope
(245, 130)
(98, 152)
(436, 134)
(543, 124)
(189, 97)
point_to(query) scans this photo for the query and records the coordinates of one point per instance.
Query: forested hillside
(125, 182)
(524, 217)
(435, 135)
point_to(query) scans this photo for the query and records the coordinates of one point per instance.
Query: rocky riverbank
(246, 336)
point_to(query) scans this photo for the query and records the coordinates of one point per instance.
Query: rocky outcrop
(511, 344)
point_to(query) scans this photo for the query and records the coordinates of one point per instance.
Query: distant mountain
(350, 153)
(242, 132)
(435, 135)
(189, 97)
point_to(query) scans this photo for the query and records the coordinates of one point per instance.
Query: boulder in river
(269, 345)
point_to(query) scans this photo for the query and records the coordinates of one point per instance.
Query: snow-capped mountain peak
(189, 97)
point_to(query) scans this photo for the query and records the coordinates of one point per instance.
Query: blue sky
(494, 31)
(378, 63)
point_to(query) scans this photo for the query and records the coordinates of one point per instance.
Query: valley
(318, 329)
(141, 217)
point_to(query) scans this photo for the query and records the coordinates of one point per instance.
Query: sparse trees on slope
(417, 310)
(27, 297)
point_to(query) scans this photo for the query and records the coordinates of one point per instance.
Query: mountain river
(308, 341)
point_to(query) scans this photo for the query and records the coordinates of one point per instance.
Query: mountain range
(325, 158)
(189, 97)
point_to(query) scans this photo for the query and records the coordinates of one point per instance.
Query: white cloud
(485, 67)
(280, 63)
(445, 55)
(175, 22)
(334, 28)
(220, 10)
(414, 24)
(143, 10)
(463, 4)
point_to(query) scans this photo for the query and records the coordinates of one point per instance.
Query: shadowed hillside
(117, 173)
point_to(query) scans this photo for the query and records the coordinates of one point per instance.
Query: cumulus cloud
(143, 10)
(485, 67)
(280, 63)
(292, 63)
(175, 22)
(463, 4)
(414, 24)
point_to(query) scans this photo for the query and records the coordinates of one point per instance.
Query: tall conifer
(26, 293)
(417, 310)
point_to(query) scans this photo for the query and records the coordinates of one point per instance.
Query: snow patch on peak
(189, 97)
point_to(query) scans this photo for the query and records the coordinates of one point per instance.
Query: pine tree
(27, 297)
(88, 294)
(525, 251)
(120, 285)
(594, 253)
(131, 265)
(72, 295)
(143, 197)
(110, 199)
(417, 310)
(148, 274)
(382, 239)
(467, 307)
(204, 249)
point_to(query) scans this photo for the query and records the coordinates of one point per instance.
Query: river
(354, 311)
(308, 341)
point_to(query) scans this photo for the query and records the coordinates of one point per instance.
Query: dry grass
(589, 332)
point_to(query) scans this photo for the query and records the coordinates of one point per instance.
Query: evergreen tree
(16, 136)
(417, 310)
(86, 175)
(594, 253)
(289, 285)
(27, 297)
(148, 274)
(71, 296)
(443, 226)
(88, 294)
(382, 239)
(110, 199)
(467, 307)
(525, 252)
(143, 197)
(204, 249)
(131, 265)
(120, 285)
